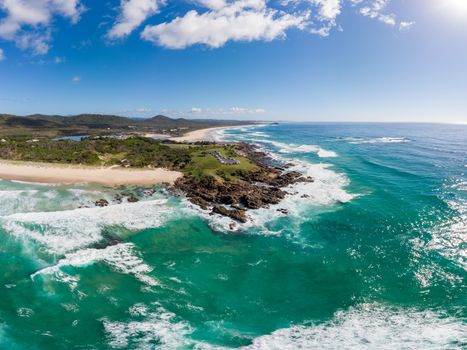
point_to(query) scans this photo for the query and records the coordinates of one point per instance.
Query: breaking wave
(290, 148)
(122, 258)
(328, 187)
(63, 231)
(367, 326)
(359, 140)
(372, 326)
(158, 328)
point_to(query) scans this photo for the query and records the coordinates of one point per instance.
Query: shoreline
(60, 173)
(204, 134)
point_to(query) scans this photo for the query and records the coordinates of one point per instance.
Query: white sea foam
(327, 189)
(371, 326)
(359, 140)
(250, 133)
(27, 199)
(122, 258)
(157, 329)
(290, 148)
(449, 237)
(64, 231)
(219, 135)
(10, 200)
(42, 184)
(367, 326)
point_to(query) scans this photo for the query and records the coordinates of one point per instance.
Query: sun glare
(456, 7)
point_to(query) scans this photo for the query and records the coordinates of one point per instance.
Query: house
(224, 160)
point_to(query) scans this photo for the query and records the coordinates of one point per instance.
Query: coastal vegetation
(227, 178)
(194, 159)
(47, 126)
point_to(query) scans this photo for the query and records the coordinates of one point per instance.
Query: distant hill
(56, 125)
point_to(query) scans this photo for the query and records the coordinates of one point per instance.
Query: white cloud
(196, 110)
(76, 79)
(238, 109)
(328, 9)
(28, 22)
(375, 10)
(243, 110)
(144, 110)
(406, 25)
(133, 13)
(244, 20)
(212, 4)
(2, 55)
(213, 23)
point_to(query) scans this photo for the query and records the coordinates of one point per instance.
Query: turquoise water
(373, 254)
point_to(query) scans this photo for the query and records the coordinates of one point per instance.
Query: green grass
(195, 160)
(204, 164)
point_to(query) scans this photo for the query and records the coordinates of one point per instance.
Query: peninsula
(225, 178)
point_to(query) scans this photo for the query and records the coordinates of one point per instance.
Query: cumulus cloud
(213, 23)
(375, 9)
(2, 55)
(28, 22)
(328, 9)
(196, 110)
(244, 20)
(132, 14)
(406, 25)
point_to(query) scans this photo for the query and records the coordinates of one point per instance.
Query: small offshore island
(224, 178)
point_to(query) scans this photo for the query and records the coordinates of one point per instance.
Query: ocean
(371, 255)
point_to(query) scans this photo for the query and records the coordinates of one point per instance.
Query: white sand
(57, 173)
(197, 135)
(204, 134)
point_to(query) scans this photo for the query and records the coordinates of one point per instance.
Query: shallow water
(373, 257)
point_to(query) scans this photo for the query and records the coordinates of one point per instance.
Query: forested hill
(56, 125)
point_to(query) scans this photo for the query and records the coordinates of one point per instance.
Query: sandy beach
(197, 135)
(204, 134)
(57, 173)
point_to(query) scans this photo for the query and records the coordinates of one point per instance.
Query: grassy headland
(196, 160)
(227, 178)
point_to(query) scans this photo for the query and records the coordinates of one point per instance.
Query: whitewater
(370, 255)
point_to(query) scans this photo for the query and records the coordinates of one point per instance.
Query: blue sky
(311, 60)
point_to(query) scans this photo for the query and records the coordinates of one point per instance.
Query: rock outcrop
(250, 190)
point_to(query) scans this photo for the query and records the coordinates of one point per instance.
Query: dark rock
(149, 192)
(200, 202)
(251, 201)
(132, 199)
(227, 199)
(101, 203)
(237, 206)
(118, 198)
(250, 190)
(236, 214)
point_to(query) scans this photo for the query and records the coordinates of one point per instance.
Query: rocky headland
(248, 190)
